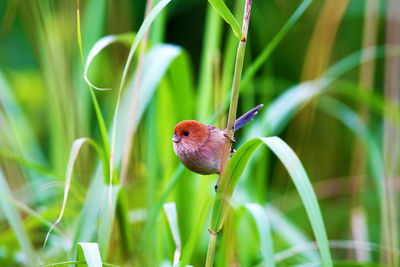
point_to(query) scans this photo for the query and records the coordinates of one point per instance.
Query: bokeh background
(327, 72)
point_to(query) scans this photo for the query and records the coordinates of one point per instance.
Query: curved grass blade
(157, 62)
(126, 38)
(143, 29)
(90, 253)
(170, 211)
(15, 222)
(76, 146)
(234, 170)
(306, 192)
(229, 180)
(349, 118)
(26, 209)
(226, 14)
(264, 230)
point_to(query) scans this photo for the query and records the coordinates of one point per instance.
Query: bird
(200, 147)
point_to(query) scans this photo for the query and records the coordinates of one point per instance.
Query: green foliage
(336, 106)
(226, 14)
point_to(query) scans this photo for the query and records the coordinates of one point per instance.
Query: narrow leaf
(107, 218)
(226, 14)
(76, 146)
(170, 211)
(228, 182)
(291, 233)
(16, 223)
(306, 192)
(99, 46)
(143, 29)
(234, 170)
(264, 230)
(91, 254)
(267, 51)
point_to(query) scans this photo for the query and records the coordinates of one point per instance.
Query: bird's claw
(227, 136)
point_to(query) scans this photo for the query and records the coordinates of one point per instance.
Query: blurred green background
(327, 72)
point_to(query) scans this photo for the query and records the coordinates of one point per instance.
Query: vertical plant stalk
(212, 243)
(130, 131)
(230, 128)
(391, 131)
(366, 80)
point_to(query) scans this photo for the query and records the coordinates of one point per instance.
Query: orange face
(190, 134)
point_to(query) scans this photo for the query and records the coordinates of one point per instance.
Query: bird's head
(190, 134)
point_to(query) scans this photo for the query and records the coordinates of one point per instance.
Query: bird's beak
(176, 139)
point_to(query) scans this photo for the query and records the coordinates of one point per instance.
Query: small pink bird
(200, 147)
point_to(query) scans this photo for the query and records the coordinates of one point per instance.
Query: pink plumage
(200, 147)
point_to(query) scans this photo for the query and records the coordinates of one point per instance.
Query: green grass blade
(76, 146)
(355, 59)
(179, 264)
(228, 182)
(158, 60)
(289, 232)
(262, 58)
(281, 110)
(68, 263)
(28, 164)
(234, 170)
(143, 29)
(107, 218)
(226, 14)
(210, 50)
(123, 220)
(26, 209)
(16, 223)
(264, 230)
(126, 38)
(195, 234)
(90, 253)
(349, 118)
(154, 213)
(88, 218)
(20, 126)
(306, 192)
(170, 211)
(78, 30)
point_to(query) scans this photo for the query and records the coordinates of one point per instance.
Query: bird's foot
(227, 136)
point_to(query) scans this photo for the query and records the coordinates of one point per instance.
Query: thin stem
(230, 128)
(211, 250)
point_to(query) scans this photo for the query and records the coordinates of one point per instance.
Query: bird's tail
(247, 117)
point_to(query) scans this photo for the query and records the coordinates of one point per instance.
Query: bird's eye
(186, 133)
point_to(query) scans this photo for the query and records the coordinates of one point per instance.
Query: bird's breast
(202, 159)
